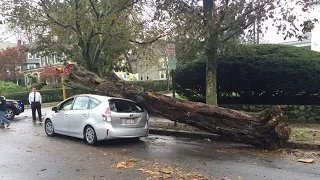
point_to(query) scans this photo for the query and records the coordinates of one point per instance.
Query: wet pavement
(27, 153)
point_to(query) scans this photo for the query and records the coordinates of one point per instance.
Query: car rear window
(124, 106)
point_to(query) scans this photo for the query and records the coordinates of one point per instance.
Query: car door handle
(84, 115)
(65, 115)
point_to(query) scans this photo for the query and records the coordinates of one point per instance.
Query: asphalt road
(27, 153)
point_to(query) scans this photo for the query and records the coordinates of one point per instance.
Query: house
(143, 70)
(35, 63)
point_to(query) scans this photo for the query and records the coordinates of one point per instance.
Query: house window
(141, 77)
(147, 76)
(32, 66)
(162, 75)
(30, 56)
(37, 56)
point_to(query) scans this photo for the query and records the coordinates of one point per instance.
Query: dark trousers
(36, 106)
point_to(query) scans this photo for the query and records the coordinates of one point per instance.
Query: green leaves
(263, 74)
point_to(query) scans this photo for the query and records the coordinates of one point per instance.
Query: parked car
(14, 107)
(95, 118)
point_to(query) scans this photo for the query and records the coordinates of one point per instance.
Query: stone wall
(293, 113)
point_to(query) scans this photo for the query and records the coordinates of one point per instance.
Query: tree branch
(192, 9)
(236, 22)
(95, 10)
(66, 26)
(237, 31)
(128, 5)
(147, 42)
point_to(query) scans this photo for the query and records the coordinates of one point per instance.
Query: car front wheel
(90, 135)
(48, 127)
(9, 113)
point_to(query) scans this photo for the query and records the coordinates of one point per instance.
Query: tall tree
(220, 20)
(95, 33)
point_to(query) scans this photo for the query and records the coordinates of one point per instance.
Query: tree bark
(265, 130)
(211, 42)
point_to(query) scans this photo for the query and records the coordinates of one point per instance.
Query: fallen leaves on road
(169, 172)
(308, 160)
(123, 164)
(158, 171)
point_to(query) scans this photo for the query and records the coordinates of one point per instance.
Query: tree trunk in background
(211, 42)
(265, 130)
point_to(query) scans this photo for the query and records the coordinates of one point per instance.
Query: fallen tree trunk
(265, 130)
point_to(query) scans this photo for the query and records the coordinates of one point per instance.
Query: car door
(59, 119)
(127, 114)
(78, 115)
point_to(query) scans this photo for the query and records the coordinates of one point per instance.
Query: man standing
(3, 108)
(35, 100)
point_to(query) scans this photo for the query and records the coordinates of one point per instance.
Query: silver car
(95, 118)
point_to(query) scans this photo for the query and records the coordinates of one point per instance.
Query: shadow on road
(105, 143)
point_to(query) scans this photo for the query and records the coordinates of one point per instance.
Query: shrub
(155, 85)
(8, 86)
(291, 78)
(38, 85)
(52, 86)
(51, 95)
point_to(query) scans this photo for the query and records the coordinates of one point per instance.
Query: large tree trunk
(265, 129)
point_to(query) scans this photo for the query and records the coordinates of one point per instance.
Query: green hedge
(51, 95)
(293, 77)
(155, 85)
(52, 86)
(38, 85)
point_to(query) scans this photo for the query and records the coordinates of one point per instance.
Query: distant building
(147, 71)
(36, 60)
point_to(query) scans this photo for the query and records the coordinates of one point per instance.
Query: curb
(214, 137)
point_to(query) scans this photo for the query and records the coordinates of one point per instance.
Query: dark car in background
(14, 107)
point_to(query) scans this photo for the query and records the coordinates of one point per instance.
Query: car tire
(90, 136)
(48, 128)
(9, 113)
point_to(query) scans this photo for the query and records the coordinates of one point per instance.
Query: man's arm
(40, 98)
(29, 98)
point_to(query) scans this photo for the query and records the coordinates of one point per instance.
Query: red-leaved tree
(49, 74)
(11, 60)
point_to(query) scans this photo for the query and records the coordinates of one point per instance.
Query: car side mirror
(55, 109)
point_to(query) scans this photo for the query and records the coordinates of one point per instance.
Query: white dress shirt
(38, 97)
